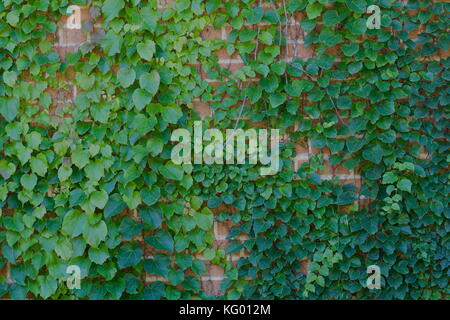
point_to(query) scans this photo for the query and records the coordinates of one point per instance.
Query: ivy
(90, 183)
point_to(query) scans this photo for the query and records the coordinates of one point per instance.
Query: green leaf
(358, 6)
(114, 206)
(171, 113)
(330, 18)
(159, 265)
(98, 255)
(47, 286)
(373, 153)
(9, 108)
(13, 18)
(10, 78)
(155, 146)
(151, 215)
(171, 171)
(99, 199)
(146, 49)
(150, 82)
(39, 165)
(130, 254)
(28, 181)
(199, 267)
(313, 10)
(141, 98)
(162, 240)
(350, 49)
(184, 261)
(74, 223)
(111, 8)
(150, 196)
(64, 173)
(204, 220)
(276, 99)
(126, 77)
(405, 185)
(95, 234)
(80, 157)
(111, 43)
(346, 198)
(389, 177)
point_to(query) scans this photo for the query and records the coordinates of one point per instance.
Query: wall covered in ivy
(87, 180)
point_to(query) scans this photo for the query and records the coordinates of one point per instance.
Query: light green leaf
(126, 77)
(146, 49)
(405, 185)
(99, 199)
(150, 82)
(28, 181)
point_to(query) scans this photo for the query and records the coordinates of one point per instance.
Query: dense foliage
(90, 183)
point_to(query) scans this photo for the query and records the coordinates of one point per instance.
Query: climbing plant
(91, 182)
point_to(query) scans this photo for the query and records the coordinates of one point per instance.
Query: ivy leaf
(358, 6)
(130, 254)
(162, 240)
(150, 196)
(204, 221)
(150, 82)
(98, 255)
(171, 171)
(373, 153)
(199, 267)
(358, 26)
(74, 223)
(64, 173)
(155, 146)
(10, 78)
(99, 199)
(94, 234)
(276, 99)
(350, 49)
(405, 185)
(159, 265)
(126, 77)
(389, 177)
(28, 181)
(191, 283)
(141, 98)
(129, 228)
(111, 43)
(184, 261)
(9, 108)
(330, 18)
(111, 8)
(171, 114)
(346, 198)
(13, 18)
(151, 215)
(39, 165)
(77, 196)
(80, 158)
(114, 206)
(313, 10)
(47, 286)
(146, 49)
(212, 5)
